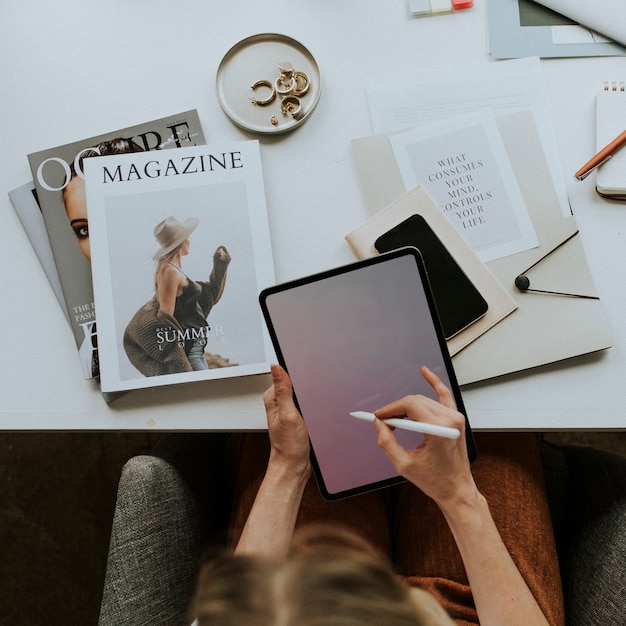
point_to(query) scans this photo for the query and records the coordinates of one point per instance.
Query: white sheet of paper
(464, 167)
(404, 101)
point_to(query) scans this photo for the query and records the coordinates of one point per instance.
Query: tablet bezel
(445, 356)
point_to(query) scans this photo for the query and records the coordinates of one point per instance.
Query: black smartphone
(457, 300)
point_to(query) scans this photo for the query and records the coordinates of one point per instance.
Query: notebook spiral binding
(614, 85)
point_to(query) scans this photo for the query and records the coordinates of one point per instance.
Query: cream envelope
(544, 328)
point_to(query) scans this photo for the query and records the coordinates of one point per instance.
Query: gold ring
(269, 99)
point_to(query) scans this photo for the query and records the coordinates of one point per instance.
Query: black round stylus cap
(522, 282)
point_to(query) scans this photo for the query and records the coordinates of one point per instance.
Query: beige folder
(544, 328)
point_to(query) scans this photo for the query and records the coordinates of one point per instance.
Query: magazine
(57, 174)
(181, 250)
(24, 200)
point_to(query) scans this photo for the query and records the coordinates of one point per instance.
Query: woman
(168, 334)
(75, 203)
(477, 539)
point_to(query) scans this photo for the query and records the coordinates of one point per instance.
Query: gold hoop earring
(284, 85)
(269, 99)
(302, 84)
(286, 69)
(291, 104)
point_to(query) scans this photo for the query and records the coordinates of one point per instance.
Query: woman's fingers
(443, 393)
(389, 445)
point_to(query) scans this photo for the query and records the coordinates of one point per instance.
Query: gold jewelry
(292, 104)
(269, 99)
(285, 68)
(285, 85)
(302, 84)
(274, 120)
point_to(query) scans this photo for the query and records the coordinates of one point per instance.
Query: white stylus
(407, 424)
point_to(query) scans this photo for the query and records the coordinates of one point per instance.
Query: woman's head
(75, 202)
(74, 197)
(330, 578)
(172, 236)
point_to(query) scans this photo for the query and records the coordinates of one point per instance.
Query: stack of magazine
(166, 239)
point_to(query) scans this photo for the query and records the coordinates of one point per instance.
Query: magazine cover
(24, 200)
(180, 251)
(59, 183)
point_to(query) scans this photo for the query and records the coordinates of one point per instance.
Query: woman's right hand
(439, 467)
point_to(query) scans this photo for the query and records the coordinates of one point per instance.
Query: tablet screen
(354, 339)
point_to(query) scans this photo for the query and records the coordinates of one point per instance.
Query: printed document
(464, 167)
(401, 102)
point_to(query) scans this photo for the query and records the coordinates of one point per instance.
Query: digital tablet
(353, 339)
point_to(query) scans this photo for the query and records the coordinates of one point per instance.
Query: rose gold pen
(604, 155)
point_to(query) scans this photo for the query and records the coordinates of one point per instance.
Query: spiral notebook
(610, 122)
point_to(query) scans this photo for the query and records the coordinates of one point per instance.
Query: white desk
(74, 69)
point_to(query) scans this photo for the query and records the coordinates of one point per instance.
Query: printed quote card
(464, 167)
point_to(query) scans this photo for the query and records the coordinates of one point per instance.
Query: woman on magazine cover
(74, 198)
(168, 334)
(75, 203)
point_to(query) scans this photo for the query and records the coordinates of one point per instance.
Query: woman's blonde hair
(161, 262)
(330, 578)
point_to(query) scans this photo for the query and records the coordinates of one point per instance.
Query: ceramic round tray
(257, 58)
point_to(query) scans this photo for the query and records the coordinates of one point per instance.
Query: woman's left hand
(288, 434)
(271, 521)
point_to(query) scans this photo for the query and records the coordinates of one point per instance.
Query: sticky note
(441, 6)
(419, 7)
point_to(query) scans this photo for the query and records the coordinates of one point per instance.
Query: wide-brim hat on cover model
(170, 233)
